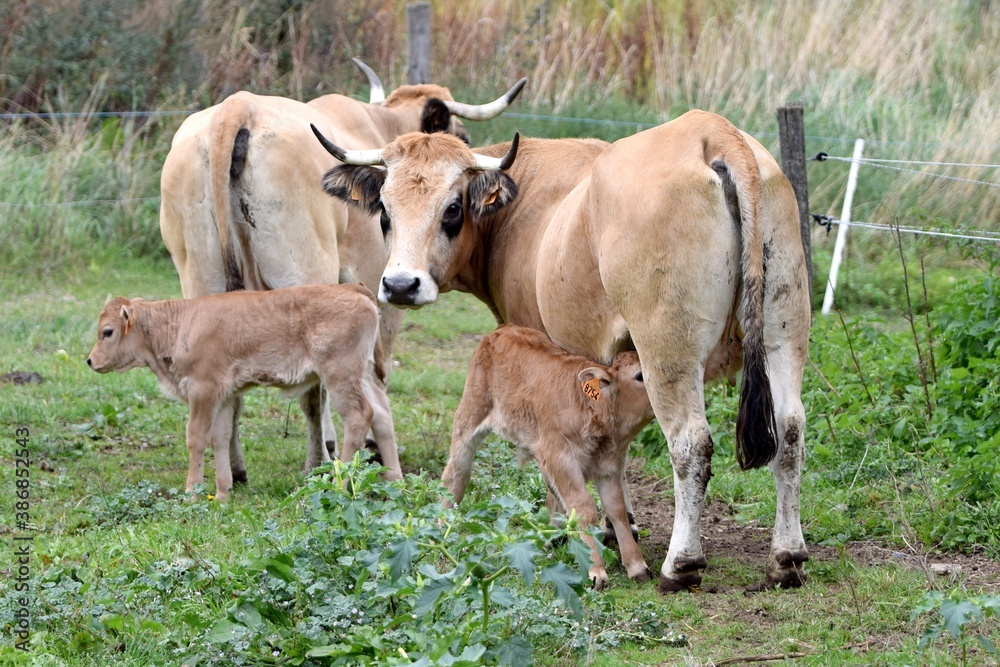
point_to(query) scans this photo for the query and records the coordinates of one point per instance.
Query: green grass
(95, 439)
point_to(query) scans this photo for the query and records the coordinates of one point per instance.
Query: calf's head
(620, 391)
(119, 345)
(431, 192)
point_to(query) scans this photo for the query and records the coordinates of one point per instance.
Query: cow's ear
(435, 117)
(356, 185)
(489, 191)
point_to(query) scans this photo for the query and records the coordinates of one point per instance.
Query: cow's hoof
(599, 580)
(372, 447)
(785, 569)
(642, 576)
(331, 448)
(240, 477)
(610, 539)
(686, 576)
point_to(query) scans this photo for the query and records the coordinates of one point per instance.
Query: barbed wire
(78, 202)
(511, 114)
(873, 160)
(827, 222)
(822, 156)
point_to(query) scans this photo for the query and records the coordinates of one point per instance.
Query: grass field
(108, 455)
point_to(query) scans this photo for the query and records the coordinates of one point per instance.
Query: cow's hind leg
(680, 411)
(788, 548)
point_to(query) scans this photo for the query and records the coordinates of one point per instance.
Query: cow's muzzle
(407, 289)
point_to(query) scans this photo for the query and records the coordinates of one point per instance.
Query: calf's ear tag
(592, 388)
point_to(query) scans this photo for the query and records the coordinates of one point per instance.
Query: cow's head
(431, 192)
(119, 346)
(438, 112)
(620, 391)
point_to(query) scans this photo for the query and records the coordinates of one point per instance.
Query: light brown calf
(207, 351)
(574, 417)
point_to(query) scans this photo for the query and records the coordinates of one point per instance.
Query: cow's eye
(385, 222)
(451, 221)
(638, 376)
(106, 333)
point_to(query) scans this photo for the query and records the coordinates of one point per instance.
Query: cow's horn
(486, 111)
(377, 95)
(370, 157)
(485, 162)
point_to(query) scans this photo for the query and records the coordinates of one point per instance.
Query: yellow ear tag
(355, 194)
(592, 388)
(493, 198)
(128, 325)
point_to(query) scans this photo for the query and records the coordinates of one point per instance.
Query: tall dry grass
(916, 78)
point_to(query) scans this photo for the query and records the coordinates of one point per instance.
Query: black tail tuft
(756, 431)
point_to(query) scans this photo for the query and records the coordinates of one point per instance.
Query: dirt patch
(724, 538)
(21, 377)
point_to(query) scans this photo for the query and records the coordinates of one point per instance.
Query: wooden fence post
(418, 31)
(792, 135)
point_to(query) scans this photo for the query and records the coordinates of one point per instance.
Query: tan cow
(241, 208)
(575, 418)
(206, 351)
(681, 242)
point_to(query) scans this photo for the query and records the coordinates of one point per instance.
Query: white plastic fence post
(845, 217)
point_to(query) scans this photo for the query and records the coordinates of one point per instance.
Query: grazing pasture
(104, 559)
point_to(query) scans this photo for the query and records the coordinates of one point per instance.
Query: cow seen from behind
(681, 242)
(240, 206)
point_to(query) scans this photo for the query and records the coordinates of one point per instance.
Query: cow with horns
(680, 242)
(240, 208)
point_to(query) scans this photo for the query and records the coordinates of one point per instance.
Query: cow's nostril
(401, 289)
(89, 362)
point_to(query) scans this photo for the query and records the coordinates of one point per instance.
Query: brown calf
(574, 417)
(207, 351)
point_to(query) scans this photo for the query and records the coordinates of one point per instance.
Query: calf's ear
(595, 383)
(356, 185)
(128, 316)
(489, 191)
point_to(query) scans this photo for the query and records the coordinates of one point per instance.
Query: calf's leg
(221, 429)
(312, 407)
(382, 428)
(236, 461)
(613, 504)
(565, 479)
(467, 433)
(202, 409)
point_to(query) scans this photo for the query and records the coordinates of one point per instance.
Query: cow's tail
(227, 159)
(756, 432)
